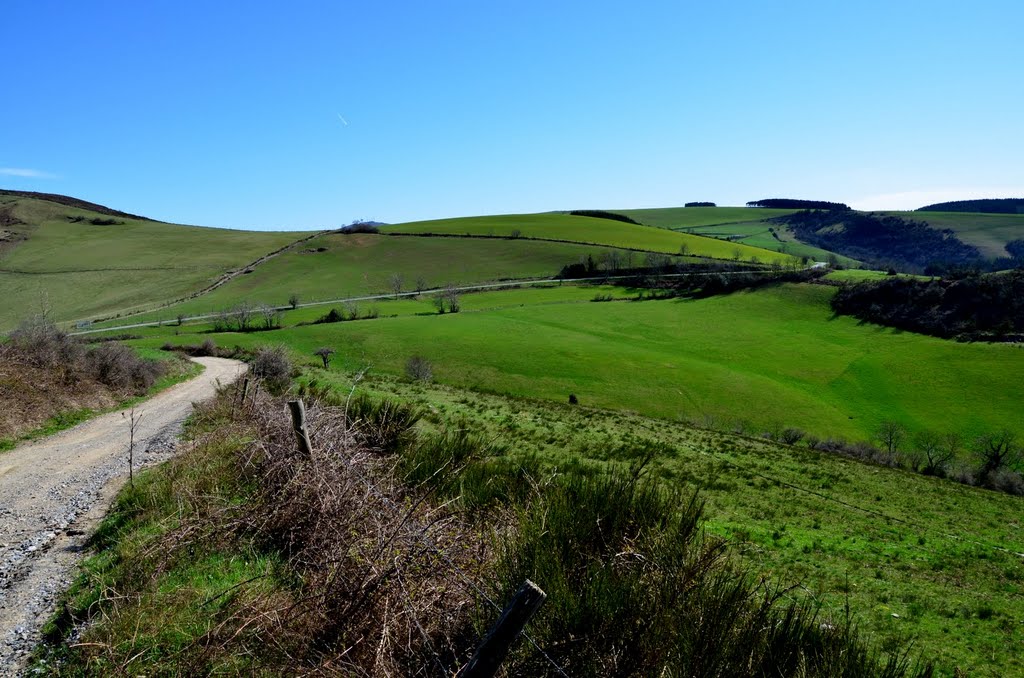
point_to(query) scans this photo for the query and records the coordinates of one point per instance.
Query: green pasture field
(588, 230)
(363, 265)
(694, 217)
(423, 305)
(743, 224)
(917, 558)
(79, 269)
(988, 232)
(755, 361)
(856, 275)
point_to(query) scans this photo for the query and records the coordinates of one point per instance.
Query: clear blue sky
(230, 113)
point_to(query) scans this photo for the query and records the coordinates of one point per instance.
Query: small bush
(359, 227)
(273, 366)
(791, 436)
(39, 342)
(121, 368)
(419, 368)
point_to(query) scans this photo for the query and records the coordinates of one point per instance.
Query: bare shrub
(121, 368)
(270, 317)
(995, 452)
(42, 344)
(324, 353)
(419, 368)
(791, 436)
(273, 366)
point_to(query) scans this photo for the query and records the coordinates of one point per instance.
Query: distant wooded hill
(991, 206)
(884, 241)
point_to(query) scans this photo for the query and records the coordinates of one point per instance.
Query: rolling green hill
(62, 260)
(336, 266)
(570, 228)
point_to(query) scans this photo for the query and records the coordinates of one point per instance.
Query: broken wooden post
(299, 425)
(495, 647)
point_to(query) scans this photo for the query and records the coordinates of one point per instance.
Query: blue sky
(232, 115)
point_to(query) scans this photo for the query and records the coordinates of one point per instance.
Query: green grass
(894, 542)
(541, 294)
(692, 217)
(78, 270)
(589, 230)
(886, 541)
(362, 265)
(759, 360)
(988, 232)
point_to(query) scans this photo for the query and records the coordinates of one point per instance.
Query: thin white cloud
(25, 173)
(910, 200)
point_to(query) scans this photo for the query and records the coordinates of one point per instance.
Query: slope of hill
(988, 232)
(746, 225)
(79, 263)
(882, 240)
(590, 230)
(337, 266)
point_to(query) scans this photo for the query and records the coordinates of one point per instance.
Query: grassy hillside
(79, 268)
(744, 225)
(363, 264)
(988, 232)
(588, 230)
(696, 217)
(756, 360)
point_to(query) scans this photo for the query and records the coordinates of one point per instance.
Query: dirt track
(54, 491)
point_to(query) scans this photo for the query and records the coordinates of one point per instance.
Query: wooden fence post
(493, 650)
(299, 425)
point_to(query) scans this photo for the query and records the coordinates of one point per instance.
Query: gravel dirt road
(53, 492)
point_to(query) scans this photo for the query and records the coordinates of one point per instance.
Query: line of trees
(791, 204)
(991, 460)
(247, 316)
(601, 214)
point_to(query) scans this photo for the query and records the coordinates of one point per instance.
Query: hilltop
(990, 206)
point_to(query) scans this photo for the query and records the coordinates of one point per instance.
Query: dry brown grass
(365, 583)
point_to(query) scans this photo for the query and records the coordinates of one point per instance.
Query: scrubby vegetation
(977, 307)
(46, 373)
(381, 554)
